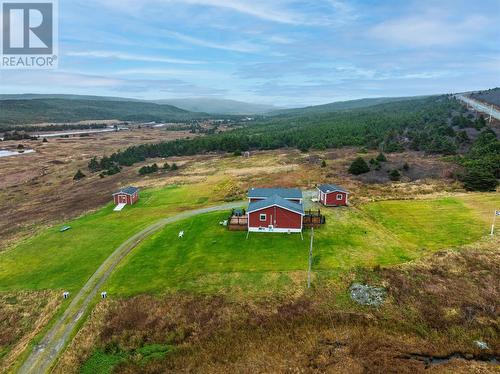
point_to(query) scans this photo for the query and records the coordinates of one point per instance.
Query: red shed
(128, 195)
(332, 195)
(275, 214)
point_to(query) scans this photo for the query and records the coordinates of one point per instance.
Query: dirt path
(44, 355)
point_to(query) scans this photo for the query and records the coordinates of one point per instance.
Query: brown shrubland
(436, 306)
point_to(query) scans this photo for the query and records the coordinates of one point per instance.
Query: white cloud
(279, 11)
(80, 83)
(58, 79)
(236, 47)
(274, 11)
(428, 30)
(130, 57)
(194, 75)
(257, 9)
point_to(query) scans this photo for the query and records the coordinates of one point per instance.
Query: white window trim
(263, 219)
(340, 196)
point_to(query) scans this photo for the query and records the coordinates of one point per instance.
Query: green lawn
(211, 258)
(429, 224)
(54, 260)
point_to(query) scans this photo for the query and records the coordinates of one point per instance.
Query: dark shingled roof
(127, 190)
(285, 193)
(278, 201)
(327, 188)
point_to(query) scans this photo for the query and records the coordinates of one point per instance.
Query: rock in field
(367, 295)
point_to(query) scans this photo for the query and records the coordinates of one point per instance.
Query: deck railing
(237, 222)
(312, 218)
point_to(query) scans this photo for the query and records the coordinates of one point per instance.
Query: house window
(340, 196)
(263, 217)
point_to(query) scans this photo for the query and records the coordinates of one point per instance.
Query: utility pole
(310, 259)
(497, 213)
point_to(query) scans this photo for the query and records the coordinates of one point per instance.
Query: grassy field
(210, 258)
(436, 306)
(428, 224)
(55, 260)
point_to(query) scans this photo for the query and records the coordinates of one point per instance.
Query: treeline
(58, 127)
(427, 124)
(151, 169)
(15, 135)
(383, 125)
(60, 110)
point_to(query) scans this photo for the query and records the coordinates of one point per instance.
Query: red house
(332, 195)
(128, 196)
(275, 210)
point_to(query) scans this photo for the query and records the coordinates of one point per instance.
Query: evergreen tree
(479, 180)
(79, 175)
(359, 166)
(462, 137)
(94, 165)
(480, 122)
(395, 175)
(381, 157)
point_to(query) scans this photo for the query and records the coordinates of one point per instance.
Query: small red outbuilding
(128, 195)
(332, 195)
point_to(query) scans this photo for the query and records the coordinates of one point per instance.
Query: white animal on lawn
(181, 234)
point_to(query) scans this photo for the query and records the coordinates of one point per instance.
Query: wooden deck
(313, 218)
(238, 223)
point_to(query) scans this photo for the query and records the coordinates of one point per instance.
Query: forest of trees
(58, 127)
(42, 110)
(482, 163)
(425, 124)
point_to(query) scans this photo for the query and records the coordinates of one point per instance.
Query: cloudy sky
(281, 52)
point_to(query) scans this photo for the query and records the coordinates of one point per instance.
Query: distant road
(45, 354)
(479, 106)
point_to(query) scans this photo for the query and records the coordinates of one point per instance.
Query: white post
(493, 224)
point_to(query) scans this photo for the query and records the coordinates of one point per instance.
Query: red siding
(278, 217)
(124, 198)
(331, 199)
(135, 197)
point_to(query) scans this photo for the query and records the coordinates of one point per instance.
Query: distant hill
(491, 96)
(340, 105)
(40, 108)
(218, 106)
(29, 111)
(30, 96)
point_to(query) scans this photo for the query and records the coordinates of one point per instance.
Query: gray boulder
(367, 295)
